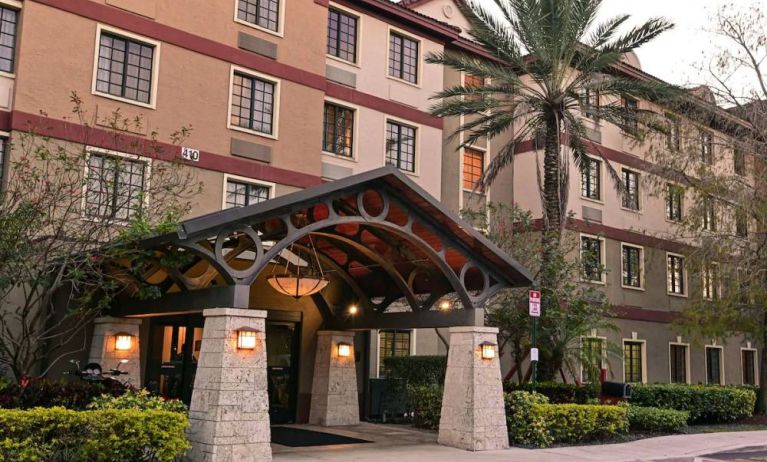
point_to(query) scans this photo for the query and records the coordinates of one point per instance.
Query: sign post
(535, 313)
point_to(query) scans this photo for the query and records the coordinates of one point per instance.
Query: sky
(674, 55)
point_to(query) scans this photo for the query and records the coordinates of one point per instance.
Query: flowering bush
(140, 400)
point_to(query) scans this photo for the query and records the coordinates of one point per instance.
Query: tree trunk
(761, 393)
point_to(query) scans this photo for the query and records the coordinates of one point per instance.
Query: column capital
(115, 320)
(236, 312)
(473, 330)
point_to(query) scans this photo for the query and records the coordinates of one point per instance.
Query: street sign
(535, 303)
(533, 354)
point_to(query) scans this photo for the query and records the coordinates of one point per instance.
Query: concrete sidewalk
(675, 448)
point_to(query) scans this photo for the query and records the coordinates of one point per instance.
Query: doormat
(299, 437)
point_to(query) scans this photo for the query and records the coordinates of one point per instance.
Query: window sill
(396, 79)
(339, 156)
(343, 61)
(252, 132)
(595, 201)
(671, 294)
(8, 75)
(151, 105)
(639, 289)
(277, 33)
(634, 211)
(598, 283)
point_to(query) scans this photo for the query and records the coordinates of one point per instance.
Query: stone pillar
(334, 386)
(229, 412)
(103, 349)
(473, 415)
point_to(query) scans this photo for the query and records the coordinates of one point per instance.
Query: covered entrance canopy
(384, 243)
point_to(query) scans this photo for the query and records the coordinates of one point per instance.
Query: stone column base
(103, 349)
(334, 386)
(473, 414)
(229, 412)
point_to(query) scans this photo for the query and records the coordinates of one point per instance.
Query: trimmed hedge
(532, 421)
(654, 419)
(58, 434)
(425, 402)
(705, 403)
(52, 393)
(561, 393)
(417, 370)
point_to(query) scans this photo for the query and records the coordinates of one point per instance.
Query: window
(590, 103)
(261, 13)
(743, 286)
(473, 168)
(3, 142)
(674, 196)
(678, 362)
(675, 274)
(403, 58)
(711, 281)
(632, 361)
(241, 194)
(342, 35)
(125, 68)
(709, 213)
(632, 266)
(473, 81)
(400, 146)
(593, 350)
(741, 223)
(673, 137)
(714, 365)
(591, 258)
(631, 189)
(338, 134)
(591, 176)
(748, 363)
(8, 22)
(115, 187)
(706, 147)
(252, 103)
(739, 162)
(392, 343)
(630, 123)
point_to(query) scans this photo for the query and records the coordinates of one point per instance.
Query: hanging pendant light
(304, 280)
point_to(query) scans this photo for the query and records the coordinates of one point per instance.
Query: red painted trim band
(166, 34)
(107, 139)
(635, 313)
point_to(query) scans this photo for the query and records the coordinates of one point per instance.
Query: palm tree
(546, 56)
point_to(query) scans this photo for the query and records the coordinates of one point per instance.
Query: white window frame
(484, 152)
(110, 153)
(358, 40)
(640, 202)
(686, 360)
(644, 357)
(641, 266)
(408, 35)
(602, 258)
(418, 135)
(19, 6)
(275, 114)
(100, 28)
(280, 32)
(716, 283)
(756, 365)
(603, 355)
(244, 179)
(681, 205)
(685, 278)
(722, 380)
(601, 182)
(355, 132)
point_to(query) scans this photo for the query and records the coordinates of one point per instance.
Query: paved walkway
(396, 443)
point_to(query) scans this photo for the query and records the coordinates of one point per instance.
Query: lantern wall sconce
(344, 350)
(123, 341)
(488, 350)
(246, 338)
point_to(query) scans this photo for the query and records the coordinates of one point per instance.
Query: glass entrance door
(173, 354)
(282, 370)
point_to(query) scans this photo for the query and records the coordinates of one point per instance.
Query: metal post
(534, 345)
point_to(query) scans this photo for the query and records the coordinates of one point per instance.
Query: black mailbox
(616, 390)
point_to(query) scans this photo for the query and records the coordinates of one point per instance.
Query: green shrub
(59, 434)
(705, 403)
(417, 370)
(137, 399)
(425, 401)
(525, 426)
(575, 423)
(41, 392)
(655, 419)
(561, 393)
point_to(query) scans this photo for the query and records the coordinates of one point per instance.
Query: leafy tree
(584, 307)
(64, 232)
(725, 202)
(546, 56)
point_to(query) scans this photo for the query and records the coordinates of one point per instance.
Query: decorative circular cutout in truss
(372, 205)
(238, 249)
(474, 280)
